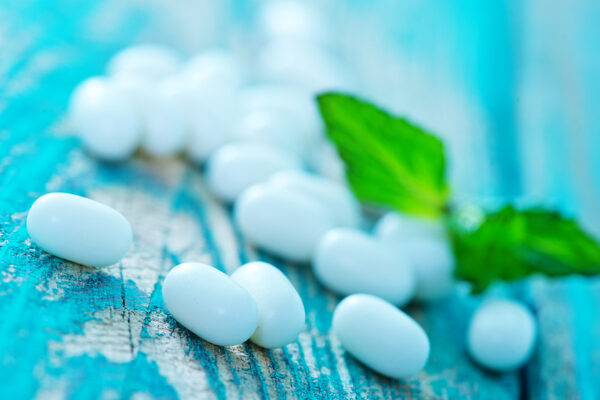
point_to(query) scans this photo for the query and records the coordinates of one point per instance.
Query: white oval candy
(137, 89)
(78, 229)
(214, 67)
(423, 243)
(209, 131)
(303, 64)
(381, 336)
(271, 127)
(109, 125)
(210, 304)
(211, 79)
(165, 126)
(348, 262)
(280, 309)
(149, 61)
(237, 166)
(325, 161)
(296, 20)
(396, 227)
(501, 335)
(433, 262)
(210, 82)
(289, 99)
(286, 224)
(337, 198)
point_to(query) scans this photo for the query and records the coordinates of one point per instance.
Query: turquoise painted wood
(73, 332)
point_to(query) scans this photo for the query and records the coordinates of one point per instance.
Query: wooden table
(69, 331)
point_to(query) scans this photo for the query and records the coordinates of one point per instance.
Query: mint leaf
(389, 161)
(393, 163)
(510, 244)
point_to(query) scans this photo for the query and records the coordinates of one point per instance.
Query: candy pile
(257, 132)
(154, 99)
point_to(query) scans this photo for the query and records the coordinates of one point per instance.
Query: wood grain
(107, 330)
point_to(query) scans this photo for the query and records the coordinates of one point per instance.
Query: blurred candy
(271, 127)
(502, 335)
(146, 61)
(288, 97)
(400, 227)
(423, 243)
(237, 166)
(348, 261)
(211, 80)
(138, 89)
(290, 100)
(340, 202)
(294, 20)
(433, 262)
(307, 65)
(208, 132)
(324, 160)
(284, 223)
(108, 123)
(166, 129)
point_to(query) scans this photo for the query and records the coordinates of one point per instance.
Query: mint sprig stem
(393, 162)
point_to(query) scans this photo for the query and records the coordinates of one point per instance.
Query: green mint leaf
(510, 244)
(389, 161)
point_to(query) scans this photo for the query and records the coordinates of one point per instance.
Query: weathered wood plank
(70, 331)
(114, 317)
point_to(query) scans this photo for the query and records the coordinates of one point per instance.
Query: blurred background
(512, 87)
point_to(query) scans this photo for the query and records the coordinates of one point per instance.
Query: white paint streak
(169, 350)
(221, 228)
(107, 334)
